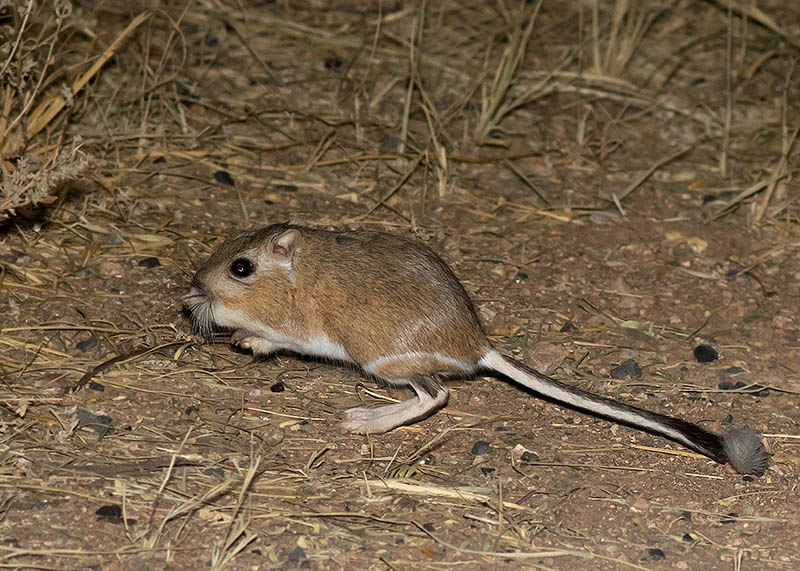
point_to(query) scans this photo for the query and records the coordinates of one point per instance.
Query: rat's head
(248, 282)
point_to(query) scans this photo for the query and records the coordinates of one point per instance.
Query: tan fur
(402, 301)
(393, 307)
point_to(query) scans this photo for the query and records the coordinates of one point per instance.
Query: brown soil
(189, 455)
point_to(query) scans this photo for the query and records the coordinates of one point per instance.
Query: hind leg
(431, 395)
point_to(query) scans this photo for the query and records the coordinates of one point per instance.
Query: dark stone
(655, 554)
(224, 177)
(297, 555)
(333, 63)
(150, 262)
(480, 448)
(730, 385)
(86, 344)
(100, 423)
(729, 518)
(567, 327)
(278, 387)
(705, 354)
(110, 511)
(628, 368)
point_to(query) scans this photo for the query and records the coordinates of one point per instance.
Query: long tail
(740, 447)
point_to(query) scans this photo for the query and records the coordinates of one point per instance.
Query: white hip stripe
(377, 363)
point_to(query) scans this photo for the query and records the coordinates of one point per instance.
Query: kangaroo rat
(394, 308)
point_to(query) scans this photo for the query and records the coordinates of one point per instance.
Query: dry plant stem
(726, 138)
(779, 173)
(631, 23)
(18, 39)
(509, 555)
(753, 12)
(31, 98)
(495, 106)
(398, 186)
(787, 142)
(412, 63)
(47, 110)
(647, 174)
(236, 537)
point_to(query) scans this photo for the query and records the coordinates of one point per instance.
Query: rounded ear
(285, 245)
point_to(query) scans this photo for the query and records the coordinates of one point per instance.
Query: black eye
(242, 267)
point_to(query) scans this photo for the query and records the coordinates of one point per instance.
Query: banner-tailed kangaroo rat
(395, 309)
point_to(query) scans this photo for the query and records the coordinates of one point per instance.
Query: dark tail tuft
(745, 451)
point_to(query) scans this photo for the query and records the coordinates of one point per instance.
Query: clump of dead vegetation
(41, 76)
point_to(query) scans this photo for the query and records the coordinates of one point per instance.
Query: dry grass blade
(44, 113)
(495, 104)
(631, 21)
(758, 15)
(777, 173)
(237, 537)
(649, 172)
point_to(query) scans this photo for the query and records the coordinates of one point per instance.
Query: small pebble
(333, 63)
(567, 327)
(224, 177)
(705, 354)
(100, 423)
(480, 448)
(110, 512)
(86, 344)
(297, 555)
(730, 385)
(655, 554)
(628, 368)
(529, 457)
(278, 387)
(150, 262)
